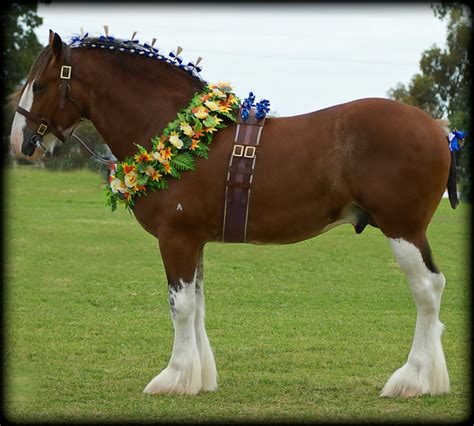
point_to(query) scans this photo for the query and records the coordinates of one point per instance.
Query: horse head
(48, 104)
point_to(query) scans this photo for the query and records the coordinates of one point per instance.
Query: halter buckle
(66, 71)
(42, 129)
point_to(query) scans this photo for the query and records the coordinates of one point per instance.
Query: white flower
(131, 179)
(176, 141)
(186, 129)
(219, 93)
(117, 186)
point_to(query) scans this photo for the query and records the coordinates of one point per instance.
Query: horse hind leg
(425, 370)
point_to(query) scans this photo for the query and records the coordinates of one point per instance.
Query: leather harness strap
(239, 178)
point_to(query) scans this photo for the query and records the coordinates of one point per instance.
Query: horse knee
(182, 301)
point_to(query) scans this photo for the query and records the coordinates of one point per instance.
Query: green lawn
(306, 332)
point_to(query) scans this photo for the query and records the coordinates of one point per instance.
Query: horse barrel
(239, 178)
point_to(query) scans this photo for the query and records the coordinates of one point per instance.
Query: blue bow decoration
(106, 38)
(262, 107)
(454, 139)
(176, 57)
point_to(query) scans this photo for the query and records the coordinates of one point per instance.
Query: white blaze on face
(19, 122)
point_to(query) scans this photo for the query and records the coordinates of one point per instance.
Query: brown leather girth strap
(239, 178)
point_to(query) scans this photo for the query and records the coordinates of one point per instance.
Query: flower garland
(188, 136)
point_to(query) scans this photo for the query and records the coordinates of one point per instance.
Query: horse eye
(38, 87)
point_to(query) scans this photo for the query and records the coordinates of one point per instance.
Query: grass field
(303, 332)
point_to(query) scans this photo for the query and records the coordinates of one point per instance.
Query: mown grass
(303, 332)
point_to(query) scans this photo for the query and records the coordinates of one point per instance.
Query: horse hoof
(409, 381)
(172, 381)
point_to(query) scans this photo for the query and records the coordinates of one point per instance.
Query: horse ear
(56, 44)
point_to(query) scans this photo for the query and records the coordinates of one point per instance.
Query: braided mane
(135, 48)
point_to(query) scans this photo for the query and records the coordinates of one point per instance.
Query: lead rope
(89, 150)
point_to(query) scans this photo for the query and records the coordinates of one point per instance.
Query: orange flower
(166, 154)
(128, 168)
(205, 97)
(194, 144)
(167, 168)
(224, 107)
(142, 156)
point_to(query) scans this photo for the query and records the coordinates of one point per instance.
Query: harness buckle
(238, 151)
(41, 129)
(66, 71)
(249, 152)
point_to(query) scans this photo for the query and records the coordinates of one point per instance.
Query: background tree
(20, 47)
(443, 86)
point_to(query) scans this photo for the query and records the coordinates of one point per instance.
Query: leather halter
(46, 124)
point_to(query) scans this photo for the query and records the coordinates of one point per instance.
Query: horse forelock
(37, 68)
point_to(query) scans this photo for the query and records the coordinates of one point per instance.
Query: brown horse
(371, 161)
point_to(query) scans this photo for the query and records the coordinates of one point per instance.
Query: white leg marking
(208, 363)
(182, 376)
(425, 371)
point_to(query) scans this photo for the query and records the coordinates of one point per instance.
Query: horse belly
(294, 206)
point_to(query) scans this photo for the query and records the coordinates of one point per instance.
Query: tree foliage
(20, 47)
(20, 44)
(443, 85)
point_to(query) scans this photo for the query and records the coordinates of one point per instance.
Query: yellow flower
(210, 130)
(232, 99)
(200, 112)
(175, 140)
(186, 129)
(211, 105)
(217, 119)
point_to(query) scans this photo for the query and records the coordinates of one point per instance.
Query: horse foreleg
(208, 364)
(182, 376)
(425, 371)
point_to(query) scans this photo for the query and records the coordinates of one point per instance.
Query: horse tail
(452, 179)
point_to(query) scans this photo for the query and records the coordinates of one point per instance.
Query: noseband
(46, 123)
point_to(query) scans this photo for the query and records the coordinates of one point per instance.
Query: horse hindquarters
(192, 366)
(425, 371)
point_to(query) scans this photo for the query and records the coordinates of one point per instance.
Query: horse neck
(131, 99)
